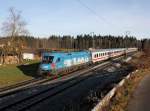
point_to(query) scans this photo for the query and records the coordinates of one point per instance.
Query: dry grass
(120, 101)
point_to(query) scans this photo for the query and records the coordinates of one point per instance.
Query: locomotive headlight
(45, 67)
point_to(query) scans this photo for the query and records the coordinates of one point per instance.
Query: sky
(73, 17)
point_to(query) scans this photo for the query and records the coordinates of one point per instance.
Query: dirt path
(141, 97)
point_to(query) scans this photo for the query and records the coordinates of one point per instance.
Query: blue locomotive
(55, 62)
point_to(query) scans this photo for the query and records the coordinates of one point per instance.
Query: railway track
(21, 86)
(8, 90)
(27, 102)
(17, 85)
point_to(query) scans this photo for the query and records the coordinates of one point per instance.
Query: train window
(48, 59)
(58, 60)
(95, 55)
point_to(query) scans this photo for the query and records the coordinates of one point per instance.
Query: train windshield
(48, 59)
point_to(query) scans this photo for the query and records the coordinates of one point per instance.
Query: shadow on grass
(30, 69)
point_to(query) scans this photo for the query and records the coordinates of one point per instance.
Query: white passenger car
(104, 54)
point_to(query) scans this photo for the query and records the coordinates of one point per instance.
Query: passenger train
(61, 62)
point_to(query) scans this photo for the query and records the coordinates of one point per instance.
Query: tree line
(80, 42)
(70, 43)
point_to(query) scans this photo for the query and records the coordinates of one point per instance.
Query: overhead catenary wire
(100, 17)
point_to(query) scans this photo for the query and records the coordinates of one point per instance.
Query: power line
(101, 18)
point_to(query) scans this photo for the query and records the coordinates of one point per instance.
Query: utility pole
(93, 41)
(127, 33)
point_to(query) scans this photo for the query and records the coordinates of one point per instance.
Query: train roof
(54, 53)
(64, 53)
(107, 50)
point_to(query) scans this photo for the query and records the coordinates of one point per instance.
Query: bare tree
(14, 27)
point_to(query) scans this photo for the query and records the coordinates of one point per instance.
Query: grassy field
(11, 74)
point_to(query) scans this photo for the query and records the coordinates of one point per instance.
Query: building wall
(29, 56)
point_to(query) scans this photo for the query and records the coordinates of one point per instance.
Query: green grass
(11, 74)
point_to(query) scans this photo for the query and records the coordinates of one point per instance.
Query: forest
(80, 42)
